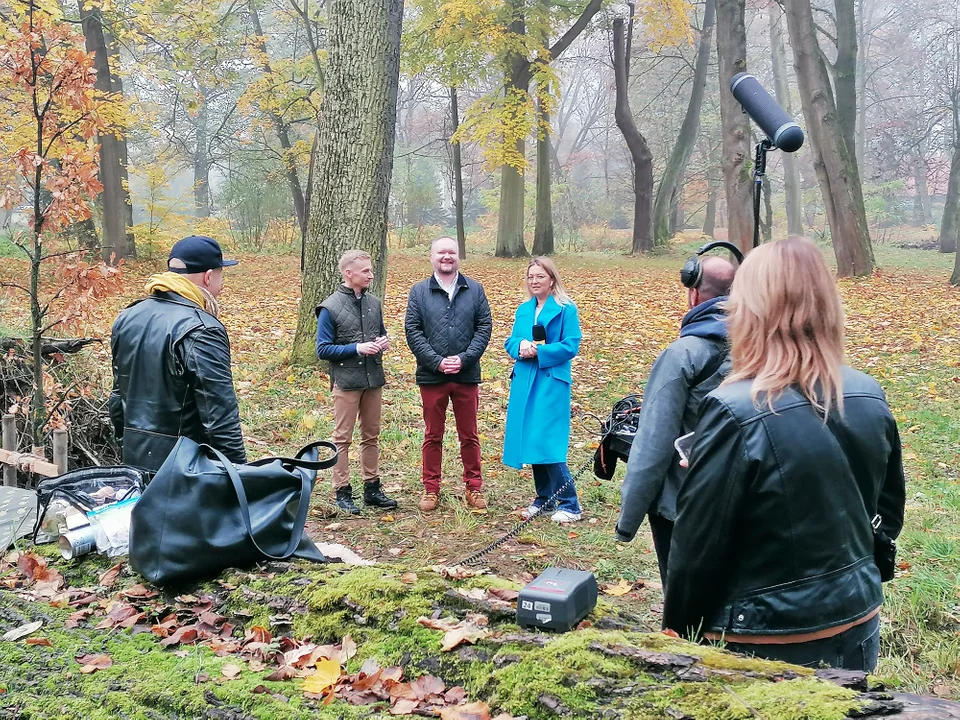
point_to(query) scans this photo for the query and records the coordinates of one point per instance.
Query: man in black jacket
(448, 327)
(682, 375)
(171, 362)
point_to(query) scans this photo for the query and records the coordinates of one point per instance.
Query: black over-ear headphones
(692, 273)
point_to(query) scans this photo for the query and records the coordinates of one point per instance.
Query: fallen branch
(49, 346)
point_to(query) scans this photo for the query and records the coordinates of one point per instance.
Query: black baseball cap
(197, 253)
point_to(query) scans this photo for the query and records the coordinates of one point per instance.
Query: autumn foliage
(49, 163)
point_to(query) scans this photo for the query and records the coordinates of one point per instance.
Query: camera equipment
(782, 131)
(691, 275)
(557, 600)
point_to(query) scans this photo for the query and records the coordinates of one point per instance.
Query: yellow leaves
(666, 22)
(618, 589)
(326, 676)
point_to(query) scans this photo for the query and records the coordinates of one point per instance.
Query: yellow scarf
(173, 282)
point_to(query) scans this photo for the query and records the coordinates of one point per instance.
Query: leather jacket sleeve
(115, 405)
(416, 338)
(115, 401)
(708, 508)
(893, 494)
(206, 355)
(652, 451)
(483, 329)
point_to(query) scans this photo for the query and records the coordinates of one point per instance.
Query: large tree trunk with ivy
(672, 178)
(636, 144)
(834, 158)
(791, 173)
(736, 161)
(115, 198)
(543, 232)
(357, 125)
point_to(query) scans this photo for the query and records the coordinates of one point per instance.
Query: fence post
(9, 443)
(60, 450)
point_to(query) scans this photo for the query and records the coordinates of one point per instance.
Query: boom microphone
(783, 132)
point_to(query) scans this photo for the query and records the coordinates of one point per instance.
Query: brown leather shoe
(429, 502)
(475, 499)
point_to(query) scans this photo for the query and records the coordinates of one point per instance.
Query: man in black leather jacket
(171, 362)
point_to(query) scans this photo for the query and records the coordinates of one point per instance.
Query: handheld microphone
(782, 130)
(539, 333)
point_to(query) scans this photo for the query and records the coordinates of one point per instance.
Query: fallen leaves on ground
(108, 578)
(92, 663)
(22, 631)
(457, 572)
(456, 632)
(620, 588)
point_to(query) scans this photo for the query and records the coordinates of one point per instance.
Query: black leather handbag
(202, 514)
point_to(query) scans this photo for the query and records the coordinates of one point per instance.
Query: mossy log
(607, 668)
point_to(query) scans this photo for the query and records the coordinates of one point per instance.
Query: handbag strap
(300, 519)
(298, 461)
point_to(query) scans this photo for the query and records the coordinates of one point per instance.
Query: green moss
(799, 699)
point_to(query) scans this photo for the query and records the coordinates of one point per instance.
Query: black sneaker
(373, 496)
(344, 500)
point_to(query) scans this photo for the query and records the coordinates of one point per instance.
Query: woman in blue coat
(545, 339)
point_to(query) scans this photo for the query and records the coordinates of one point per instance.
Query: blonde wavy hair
(785, 321)
(559, 292)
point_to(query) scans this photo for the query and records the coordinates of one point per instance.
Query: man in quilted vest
(448, 327)
(352, 337)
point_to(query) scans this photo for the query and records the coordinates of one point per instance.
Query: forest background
(600, 132)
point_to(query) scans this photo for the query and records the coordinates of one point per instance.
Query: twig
(753, 711)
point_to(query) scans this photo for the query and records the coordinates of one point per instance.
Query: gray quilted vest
(356, 321)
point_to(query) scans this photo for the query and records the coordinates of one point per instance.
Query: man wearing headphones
(682, 375)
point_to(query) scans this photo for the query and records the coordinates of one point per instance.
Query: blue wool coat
(538, 413)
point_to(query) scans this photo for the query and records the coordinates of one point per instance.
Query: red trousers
(466, 401)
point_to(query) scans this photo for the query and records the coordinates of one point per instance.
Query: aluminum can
(74, 543)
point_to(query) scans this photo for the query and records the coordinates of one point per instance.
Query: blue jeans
(855, 649)
(548, 479)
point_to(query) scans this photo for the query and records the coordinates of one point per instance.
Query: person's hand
(368, 348)
(384, 342)
(527, 349)
(451, 365)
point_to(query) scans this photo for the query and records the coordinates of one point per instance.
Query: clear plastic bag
(111, 527)
(80, 491)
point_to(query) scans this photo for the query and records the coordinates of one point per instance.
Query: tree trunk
(924, 209)
(791, 174)
(516, 83)
(201, 165)
(282, 129)
(637, 145)
(833, 159)
(308, 198)
(736, 161)
(458, 176)
(710, 214)
(543, 233)
(115, 198)
(357, 127)
(680, 155)
(845, 74)
(948, 225)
